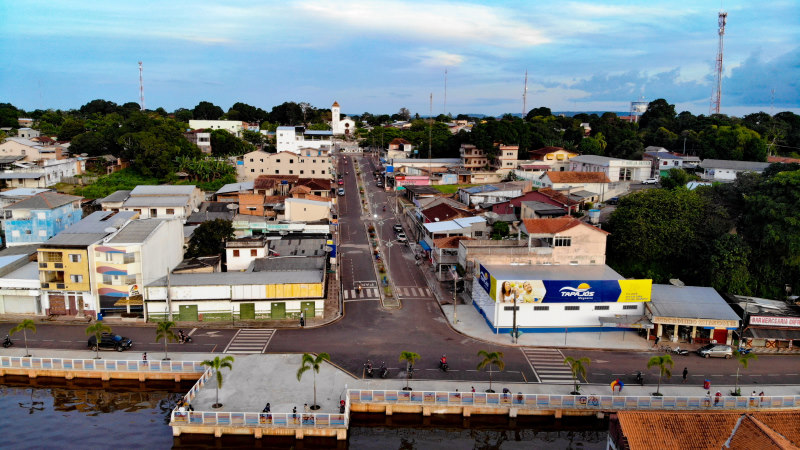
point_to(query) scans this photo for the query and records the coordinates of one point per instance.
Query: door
(308, 309)
(187, 313)
(247, 311)
(277, 310)
(58, 305)
(721, 336)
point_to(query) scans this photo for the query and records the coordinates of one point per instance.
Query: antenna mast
(716, 97)
(445, 91)
(430, 138)
(141, 88)
(525, 96)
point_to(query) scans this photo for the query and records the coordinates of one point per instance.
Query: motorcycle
(368, 369)
(384, 372)
(7, 342)
(680, 351)
(443, 365)
(183, 338)
(639, 378)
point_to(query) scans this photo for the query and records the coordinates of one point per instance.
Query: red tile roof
(399, 141)
(554, 225)
(316, 184)
(544, 150)
(557, 196)
(443, 211)
(577, 177)
(449, 242)
(782, 159)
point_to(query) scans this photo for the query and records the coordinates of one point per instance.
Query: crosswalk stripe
(249, 340)
(548, 365)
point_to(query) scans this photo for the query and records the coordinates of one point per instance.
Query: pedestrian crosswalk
(413, 292)
(250, 340)
(548, 365)
(361, 294)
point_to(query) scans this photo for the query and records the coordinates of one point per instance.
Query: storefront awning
(772, 333)
(425, 245)
(132, 301)
(624, 321)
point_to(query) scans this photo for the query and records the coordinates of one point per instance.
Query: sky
(380, 56)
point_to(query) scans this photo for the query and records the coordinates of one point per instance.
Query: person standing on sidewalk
(685, 374)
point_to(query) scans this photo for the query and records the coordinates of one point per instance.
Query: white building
(43, 173)
(240, 253)
(28, 133)
(725, 170)
(616, 169)
(292, 139)
(559, 298)
(341, 126)
(162, 202)
(232, 126)
(20, 288)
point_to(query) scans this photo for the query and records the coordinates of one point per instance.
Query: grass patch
(125, 179)
(451, 188)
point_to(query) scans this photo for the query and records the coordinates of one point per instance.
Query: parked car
(379, 183)
(613, 201)
(111, 341)
(397, 228)
(715, 350)
(401, 237)
(340, 191)
(341, 181)
(650, 181)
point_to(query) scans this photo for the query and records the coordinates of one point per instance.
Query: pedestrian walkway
(362, 294)
(414, 292)
(250, 340)
(548, 365)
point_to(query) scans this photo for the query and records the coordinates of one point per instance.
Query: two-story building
(726, 171)
(580, 186)
(240, 253)
(556, 158)
(473, 158)
(234, 127)
(303, 162)
(162, 202)
(399, 148)
(201, 138)
(39, 217)
(30, 150)
(662, 160)
(615, 169)
(64, 268)
(489, 194)
(292, 139)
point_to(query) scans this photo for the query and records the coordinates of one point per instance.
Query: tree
(206, 111)
(659, 114)
(247, 113)
(499, 230)
(410, 358)
(664, 364)
(183, 115)
(491, 359)
(217, 365)
(209, 238)
(253, 137)
(404, 114)
(676, 178)
(97, 329)
(224, 143)
(287, 113)
(311, 363)
(730, 258)
(578, 368)
(164, 331)
(70, 128)
(24, 326)
(100, 107)
(590, 146)
(538, 112)
(744, 361)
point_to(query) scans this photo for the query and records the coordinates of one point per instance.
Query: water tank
(594, 215)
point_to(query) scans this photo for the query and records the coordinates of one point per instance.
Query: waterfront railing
(584, 402)
(101, 365)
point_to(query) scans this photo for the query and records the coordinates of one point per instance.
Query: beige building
(308, 163)
(30, 150)
(304, 210)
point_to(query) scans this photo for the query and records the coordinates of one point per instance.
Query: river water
(59, 414)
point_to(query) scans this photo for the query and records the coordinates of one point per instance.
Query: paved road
(370, 331)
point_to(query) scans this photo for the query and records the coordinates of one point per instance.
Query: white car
(650, 181)
(401, 237)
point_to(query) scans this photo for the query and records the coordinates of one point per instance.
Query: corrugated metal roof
(44, 200)
(22, 192)
(165, 189)
(21, 175)
(554, 272)
(74, 239)
(240, 278)
(118, 196)
(136, 232)
(694, 302)
(733, 165)
(236, 187)
(155, 201)
(99, 221)
(288, 264)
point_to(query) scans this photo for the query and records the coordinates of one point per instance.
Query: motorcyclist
(181, 336)
(443, 363)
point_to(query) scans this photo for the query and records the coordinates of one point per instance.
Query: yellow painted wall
(69, 268)
(313, 290)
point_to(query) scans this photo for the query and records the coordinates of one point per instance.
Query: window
(107, 279)
(41, 216)
(313, 172)
(541, 308)
(601, 308)
(478, 233)
(262, 160)
(153, 212)
(27, 231)
(291, 161)
(291, 172)
(42, 233)
(572, 308)
(76, 278)
(262, 170)
(253, 252)
(278, 161)
(109, 257)
(251, 160)
(170, 211)
(252, 170)
(301, 172)
(236, 253)
(630, 307)
(561, 241)
(314, 161)
(277, 172)
(323, 172)
(75, 258)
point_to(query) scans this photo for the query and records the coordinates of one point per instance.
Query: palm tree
(578, 368)
(164, 331)
(664, 364)
(217, 365)
(24, 326)
(491, 359)
(97, 329)
(744, 361)
(410, 358)
(309, 363)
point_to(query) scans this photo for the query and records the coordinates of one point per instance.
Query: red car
(341, 181)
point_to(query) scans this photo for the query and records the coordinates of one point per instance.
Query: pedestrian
(685, 374)
(189, 407)
(144, 358)
(294, 412)
(658, 339)
(302, 318)
(305, 407)
(708, 398)
(267, 408)
(761, 397)
(473, 388)
(717, 396)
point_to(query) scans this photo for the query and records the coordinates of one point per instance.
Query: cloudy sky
(379, 56)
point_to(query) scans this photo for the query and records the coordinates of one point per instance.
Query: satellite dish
(110, 230)
(84, 154)
(196, 210)
(232, 206)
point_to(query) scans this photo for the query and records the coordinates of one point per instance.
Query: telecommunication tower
(141, 88)
(525, 96)
(716, 96)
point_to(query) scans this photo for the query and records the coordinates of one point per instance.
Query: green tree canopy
(209, 238)
(206, 111)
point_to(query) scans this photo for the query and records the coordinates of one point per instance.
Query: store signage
(775, 321)
(485, 281)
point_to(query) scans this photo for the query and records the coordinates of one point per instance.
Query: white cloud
(438, 58)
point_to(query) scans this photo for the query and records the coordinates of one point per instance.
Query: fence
(583, 402)
(108, 365)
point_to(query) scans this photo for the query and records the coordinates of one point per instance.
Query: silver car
(716, 350)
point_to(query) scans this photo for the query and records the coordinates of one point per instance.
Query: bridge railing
(588, 402)
(256, 419)
(108, 365)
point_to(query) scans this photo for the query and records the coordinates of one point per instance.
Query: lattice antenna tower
(141, 88)
(445, 91)
(716, 96)
(525, 96)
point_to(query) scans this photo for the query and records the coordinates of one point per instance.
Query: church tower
(335, 115)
